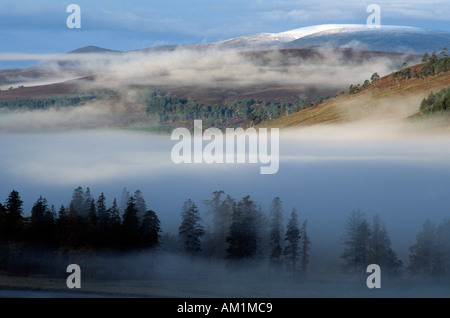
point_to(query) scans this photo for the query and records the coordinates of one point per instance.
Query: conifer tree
(150, 229)
(356, 242)
(221, 210)
(130, 225)
(42, 223)
(380, 251)
(14, 218)
(304, 250)
(276, 232)
(191, 231)
(102, 213)
(291, 251)
(141, 206)
(77, 202)
(422, 254)
(441, 269)
(115, 226)
(242, 237)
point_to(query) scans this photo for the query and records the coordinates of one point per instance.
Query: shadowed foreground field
(219, 287)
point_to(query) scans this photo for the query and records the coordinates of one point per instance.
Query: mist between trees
(242, 237)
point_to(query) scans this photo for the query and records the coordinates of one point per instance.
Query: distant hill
(93, 49)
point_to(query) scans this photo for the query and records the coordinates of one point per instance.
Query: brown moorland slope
(388, 99)
(47, 90)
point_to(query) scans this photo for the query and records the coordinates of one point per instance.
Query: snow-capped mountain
(272, 40)
(356, 36)
(387, 39)
(402, 39)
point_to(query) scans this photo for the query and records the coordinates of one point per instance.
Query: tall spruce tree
(442, 258)
(150, 229)
(115, 226)
(77, 202)
(191, 231)
(221, 210)
(276, 232)
(242, 237)
(130, 225)
(141, 206)
(102, 213)
(356, 241)
(41, 228)
(123, 201)
(380, 251)
(291, 251)
(304, 250)
(422, 254)
(14, 218)
(3, 222)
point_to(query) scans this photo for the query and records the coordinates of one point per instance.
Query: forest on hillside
(432, 65)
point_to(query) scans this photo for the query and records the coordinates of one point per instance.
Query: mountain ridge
(388, 38)
(411, 39)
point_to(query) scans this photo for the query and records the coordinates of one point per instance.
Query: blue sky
(40, 26)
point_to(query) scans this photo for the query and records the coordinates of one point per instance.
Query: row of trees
(353, 89)
(85, 224)
(433, 64)
(172, 109)
(243, 235)
(44, 103)
(365, 243)
(167, 109)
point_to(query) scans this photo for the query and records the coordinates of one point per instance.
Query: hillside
(387, 99)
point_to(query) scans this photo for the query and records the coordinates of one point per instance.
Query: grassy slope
(387, 99)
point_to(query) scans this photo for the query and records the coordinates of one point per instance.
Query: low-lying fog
(324, 172)
(214, 67)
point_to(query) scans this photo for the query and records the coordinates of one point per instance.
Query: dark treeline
(241, 235)
(173, 109)
(45, 103)
(86, 225)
